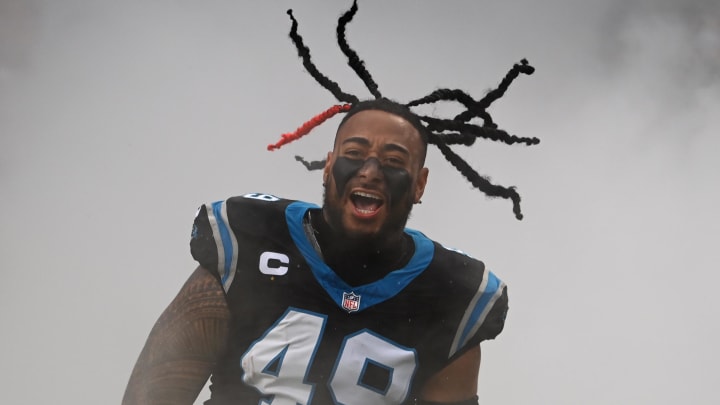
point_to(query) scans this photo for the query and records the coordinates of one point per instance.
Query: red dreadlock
(308, 126)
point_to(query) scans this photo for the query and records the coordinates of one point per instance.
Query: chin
(363, 229)
(356, 230)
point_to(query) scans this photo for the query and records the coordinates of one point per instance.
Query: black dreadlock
(312, 165)
(304, 53)
(353, 59)
(436, 131)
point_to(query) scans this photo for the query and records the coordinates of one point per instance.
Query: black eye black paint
(343, 170)
(398, 180)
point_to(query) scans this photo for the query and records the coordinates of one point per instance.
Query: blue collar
(361, 297)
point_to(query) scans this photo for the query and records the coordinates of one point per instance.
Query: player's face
(374, 175)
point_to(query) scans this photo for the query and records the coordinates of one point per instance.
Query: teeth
(366, 195)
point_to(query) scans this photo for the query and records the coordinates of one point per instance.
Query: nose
(370, 169)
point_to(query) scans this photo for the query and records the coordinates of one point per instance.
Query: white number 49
(277, 364)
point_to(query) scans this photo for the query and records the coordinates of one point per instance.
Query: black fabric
(471, 401)
(202, 242)
(422, 318)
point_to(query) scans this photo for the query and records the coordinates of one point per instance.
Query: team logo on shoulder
(351, 301)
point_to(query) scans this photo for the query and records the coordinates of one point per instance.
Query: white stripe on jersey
(461, 340)
(225, 246)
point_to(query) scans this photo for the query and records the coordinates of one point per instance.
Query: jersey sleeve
(213, 243)
(484, 317)
(214, 239)
(202, 242)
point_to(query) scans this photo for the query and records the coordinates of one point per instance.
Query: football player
(341, 304)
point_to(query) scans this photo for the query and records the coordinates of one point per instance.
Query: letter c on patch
(279, 269)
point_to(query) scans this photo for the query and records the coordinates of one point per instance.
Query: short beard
(391, 229)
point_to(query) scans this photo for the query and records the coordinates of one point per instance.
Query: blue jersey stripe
(225, 237)
(490, 290)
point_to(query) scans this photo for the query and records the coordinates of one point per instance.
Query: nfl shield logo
(351, 302)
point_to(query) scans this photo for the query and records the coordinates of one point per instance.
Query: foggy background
(118, 119)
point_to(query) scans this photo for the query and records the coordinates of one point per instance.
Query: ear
(328, 167)
(420, 183)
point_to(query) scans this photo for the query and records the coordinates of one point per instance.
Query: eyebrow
(365, 142)
(357, 139)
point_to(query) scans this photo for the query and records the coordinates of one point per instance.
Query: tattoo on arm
(183, 346)
(456, 383)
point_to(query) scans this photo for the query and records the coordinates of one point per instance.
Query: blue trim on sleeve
(490, 290)
(225, 237)
(373, 293)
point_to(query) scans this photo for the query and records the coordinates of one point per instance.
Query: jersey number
(369, 368)
(261, 196)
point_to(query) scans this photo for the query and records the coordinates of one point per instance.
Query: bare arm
(456, 382)
(183, 346)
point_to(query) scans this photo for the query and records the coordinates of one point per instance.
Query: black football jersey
(301, 335)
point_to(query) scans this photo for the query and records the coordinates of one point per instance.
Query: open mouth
(366, 203)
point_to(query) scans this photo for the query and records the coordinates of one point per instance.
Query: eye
(395, 161)
(354, 153)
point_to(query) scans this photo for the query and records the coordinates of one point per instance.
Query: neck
(336, 243)
(360, 260)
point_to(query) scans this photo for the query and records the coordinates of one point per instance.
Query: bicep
(183, 346)
(457, 381)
